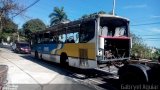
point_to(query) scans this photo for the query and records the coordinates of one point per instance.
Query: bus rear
(113, 39)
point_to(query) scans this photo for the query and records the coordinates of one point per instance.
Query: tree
(10, 27)
(137, 46)
(58, 16)
(33, 25)
(142, 50)
(8, 8)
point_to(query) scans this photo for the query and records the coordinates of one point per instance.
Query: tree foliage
(141, 50)
(10, 27)
(33, 25)
(8, 8)
(58, 16)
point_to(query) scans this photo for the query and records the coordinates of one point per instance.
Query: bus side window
(70, 38)
(87, 31)
(51, 39)
(76, 37)
(61, 38)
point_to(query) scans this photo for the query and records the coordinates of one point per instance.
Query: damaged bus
(85, 43)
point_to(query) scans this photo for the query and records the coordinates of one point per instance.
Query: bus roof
(112, 16)
(78, 22)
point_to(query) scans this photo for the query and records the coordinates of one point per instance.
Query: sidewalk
(29, 75)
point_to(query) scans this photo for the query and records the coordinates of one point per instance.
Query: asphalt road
(28, 73)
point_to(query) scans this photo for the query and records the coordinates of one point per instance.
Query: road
(28, 73)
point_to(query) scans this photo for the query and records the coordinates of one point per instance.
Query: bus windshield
(114, 27)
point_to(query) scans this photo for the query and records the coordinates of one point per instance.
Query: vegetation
(140, 50)
(8, 9)
(10, 27)
(58, 16)
(33, 25)
(9, 31)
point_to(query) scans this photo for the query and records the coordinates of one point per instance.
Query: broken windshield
(114, 27)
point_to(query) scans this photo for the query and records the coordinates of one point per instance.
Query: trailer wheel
(133, 74)
(63, 59)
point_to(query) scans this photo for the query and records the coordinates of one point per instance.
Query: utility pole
(114, 5)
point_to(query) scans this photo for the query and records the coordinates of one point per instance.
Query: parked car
(22, 47)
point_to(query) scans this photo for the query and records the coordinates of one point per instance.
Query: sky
(139, 12)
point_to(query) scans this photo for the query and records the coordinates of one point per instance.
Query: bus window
(33, 40)
(53, 37)
(104, 31)
(116, 27)
(46, 38)
(62, 38)
(87, 31)
(70, 38)
(120, 31)
(76, 37)
(40, 36)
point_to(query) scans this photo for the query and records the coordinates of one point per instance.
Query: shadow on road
(110, 83)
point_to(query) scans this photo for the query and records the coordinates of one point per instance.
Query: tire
(63, 59)
(41, 57)
(36, 55)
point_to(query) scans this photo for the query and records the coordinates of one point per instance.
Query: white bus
(85, 43)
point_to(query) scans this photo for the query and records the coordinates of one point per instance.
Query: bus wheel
(36, 54)
(63, 59)
(41, 57)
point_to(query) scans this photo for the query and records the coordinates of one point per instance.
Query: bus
(85, 43)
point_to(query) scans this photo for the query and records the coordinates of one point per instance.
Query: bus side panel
(44, 50)
(73, 52)
(75, 62)
(52, 52)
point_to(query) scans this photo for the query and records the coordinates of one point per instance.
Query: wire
(26, 8)
(151, 38)
(146, 24)
(151, 35)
